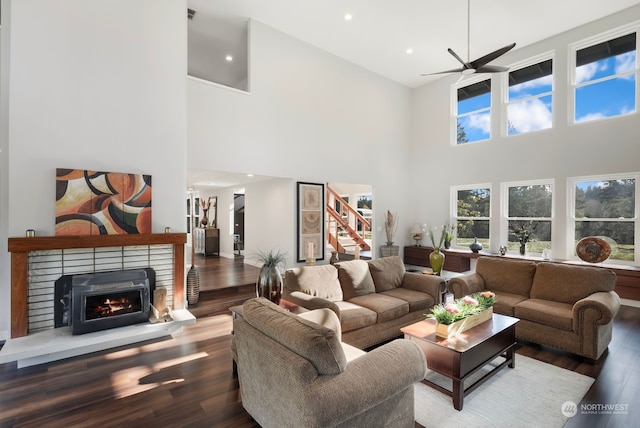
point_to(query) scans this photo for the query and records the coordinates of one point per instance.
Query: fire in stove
(107, 306)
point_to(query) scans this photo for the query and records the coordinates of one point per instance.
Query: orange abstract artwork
(102, 203)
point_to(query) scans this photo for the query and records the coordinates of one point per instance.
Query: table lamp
(417, 232)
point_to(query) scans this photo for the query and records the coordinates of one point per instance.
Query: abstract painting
(102, 203)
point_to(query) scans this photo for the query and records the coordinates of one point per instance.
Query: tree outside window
(607, 208)
(473, 216)
(474, 112)
(530, 207)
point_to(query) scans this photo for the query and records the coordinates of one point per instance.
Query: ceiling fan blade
(492, 69)
(478, 63)
(455, 70)
(455, 55)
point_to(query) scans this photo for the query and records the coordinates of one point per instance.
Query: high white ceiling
(381, 31)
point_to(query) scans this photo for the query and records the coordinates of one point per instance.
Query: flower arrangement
(524, 232)
(462, 308)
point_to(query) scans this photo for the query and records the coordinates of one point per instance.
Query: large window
(529, 207)
(607, 206)
(472, 215)
(474, 112)
(529, 98)
(604, 77)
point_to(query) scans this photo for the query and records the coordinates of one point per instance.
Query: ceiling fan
(480, 65)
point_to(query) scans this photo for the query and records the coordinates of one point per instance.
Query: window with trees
(529, 98)
(607, 206)
(529, 209)
(472, 214)
(605, 74)
(473, 114)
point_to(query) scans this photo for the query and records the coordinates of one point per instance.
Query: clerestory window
(604, 76)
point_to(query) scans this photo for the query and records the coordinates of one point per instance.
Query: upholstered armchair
(295, 372)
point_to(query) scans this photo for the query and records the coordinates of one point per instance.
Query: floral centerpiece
(524, 233)
(463, 314)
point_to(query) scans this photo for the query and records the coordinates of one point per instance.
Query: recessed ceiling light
(409, 51)
(348, 17)
(229, 58)
(249, 175)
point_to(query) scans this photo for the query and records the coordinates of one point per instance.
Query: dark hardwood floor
(187, 381)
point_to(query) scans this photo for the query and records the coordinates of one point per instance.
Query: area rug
(530, 395)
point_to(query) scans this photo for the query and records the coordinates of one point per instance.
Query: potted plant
(269, 282)
(448, 235)
(390, 227)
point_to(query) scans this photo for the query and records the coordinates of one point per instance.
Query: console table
(207, 241)
(419, 256)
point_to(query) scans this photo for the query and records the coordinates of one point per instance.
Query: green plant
(448, 232)
(272, 257)
(433, 238)
(462, 308)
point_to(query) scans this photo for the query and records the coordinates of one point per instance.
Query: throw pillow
(355, 278)
(387, 273)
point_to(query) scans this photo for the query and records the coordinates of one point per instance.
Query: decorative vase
(447, 245)
(334, 257)
(436, 259)
(269, 283)
(523, 248)
(450, 330)
(475, 245)
(193, 286)
(205, 220)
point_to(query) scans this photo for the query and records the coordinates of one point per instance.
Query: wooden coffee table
(459, 357)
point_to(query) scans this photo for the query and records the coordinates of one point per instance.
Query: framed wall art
(102, 203)
(310, 221)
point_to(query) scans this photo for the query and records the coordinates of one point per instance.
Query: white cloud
(626, 62)
(480, 121)
(529, 116)
(535, 83)
(587, 71)
(591, 116)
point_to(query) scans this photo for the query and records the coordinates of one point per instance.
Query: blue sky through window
(605, 98)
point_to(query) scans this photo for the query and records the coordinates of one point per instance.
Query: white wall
(598, 147)
(268, 207)
(311, 117)
(94, 84)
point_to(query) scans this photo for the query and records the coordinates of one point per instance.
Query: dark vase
(269, 283)
(523, 249)
(436, 259)
(193, 286)
(447, 245)
(475, 245)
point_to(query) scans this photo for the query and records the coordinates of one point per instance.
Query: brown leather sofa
(568, 307)
(373, 299)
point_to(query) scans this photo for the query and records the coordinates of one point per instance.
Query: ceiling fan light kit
(480, 65)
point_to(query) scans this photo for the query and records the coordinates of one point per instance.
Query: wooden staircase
(342, 217)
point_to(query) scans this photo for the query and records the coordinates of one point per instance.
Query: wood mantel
(20, 248)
